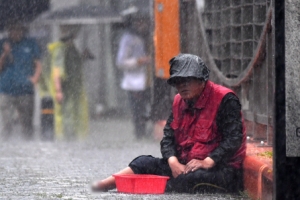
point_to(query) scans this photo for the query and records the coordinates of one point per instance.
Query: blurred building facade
(236, 40)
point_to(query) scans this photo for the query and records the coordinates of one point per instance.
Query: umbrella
(80, 14)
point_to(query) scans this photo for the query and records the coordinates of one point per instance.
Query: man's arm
(36, 53)
(167, 144)
(2, 60)
(37, 72)
(58, 72)
(168, 149)
(4, 54)
(57, 85)
(229, 122)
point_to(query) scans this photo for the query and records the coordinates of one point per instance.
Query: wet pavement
(64, 169)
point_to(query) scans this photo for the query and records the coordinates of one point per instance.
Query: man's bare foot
(99, 186)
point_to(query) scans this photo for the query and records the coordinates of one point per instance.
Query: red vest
(196, 132)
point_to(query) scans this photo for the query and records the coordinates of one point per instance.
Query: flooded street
(65, 169)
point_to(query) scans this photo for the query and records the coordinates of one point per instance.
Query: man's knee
(148, 164)
(140, 164)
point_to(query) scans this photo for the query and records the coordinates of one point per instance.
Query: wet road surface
(64, 169)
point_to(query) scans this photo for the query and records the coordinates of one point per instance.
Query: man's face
(189, 88)
(16, 34)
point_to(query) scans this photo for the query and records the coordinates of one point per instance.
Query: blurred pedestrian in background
(20, 69)
(133, 60)
(66, 85)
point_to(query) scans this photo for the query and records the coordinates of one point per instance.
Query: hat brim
(187, 65)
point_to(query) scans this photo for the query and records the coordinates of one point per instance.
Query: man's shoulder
(220, 89)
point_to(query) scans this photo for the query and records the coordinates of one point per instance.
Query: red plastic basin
(140, 183)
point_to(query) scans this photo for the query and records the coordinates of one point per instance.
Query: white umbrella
(80, 14)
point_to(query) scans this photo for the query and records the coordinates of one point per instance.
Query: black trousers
(215, 180)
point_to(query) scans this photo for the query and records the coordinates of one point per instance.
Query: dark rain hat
(187, 65)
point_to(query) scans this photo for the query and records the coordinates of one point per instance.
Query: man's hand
(33, 80)
(176, 167)
(195, 164)
(144, 60)
(59, 97)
